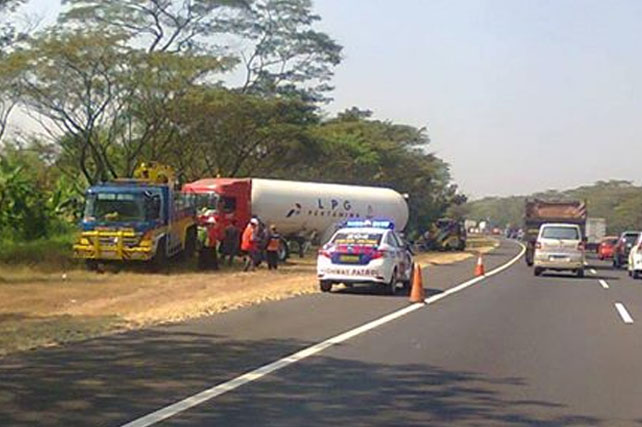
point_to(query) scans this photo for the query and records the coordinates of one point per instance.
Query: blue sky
(518, 95)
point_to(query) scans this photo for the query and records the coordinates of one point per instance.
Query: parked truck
(302, 211)
(538, 212)
(595, 232)
(139, 219)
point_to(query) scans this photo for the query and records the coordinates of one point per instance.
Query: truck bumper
(91, 246)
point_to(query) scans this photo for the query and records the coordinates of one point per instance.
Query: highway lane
(112, 380)
(515, 349)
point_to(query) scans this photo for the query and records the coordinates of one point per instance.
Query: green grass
(54, 252)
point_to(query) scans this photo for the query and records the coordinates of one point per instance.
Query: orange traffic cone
(417, 293)
(479, 268)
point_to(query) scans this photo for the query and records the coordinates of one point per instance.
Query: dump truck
(538, 212)
(139, 219)
(595, 232)
(301, 211)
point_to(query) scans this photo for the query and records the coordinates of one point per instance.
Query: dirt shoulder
(47, 308)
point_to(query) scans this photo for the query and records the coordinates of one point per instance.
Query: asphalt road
(512, 349)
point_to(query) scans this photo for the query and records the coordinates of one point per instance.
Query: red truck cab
(224, 199)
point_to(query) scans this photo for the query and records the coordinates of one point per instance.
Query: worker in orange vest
(272, 249)
(250, 245)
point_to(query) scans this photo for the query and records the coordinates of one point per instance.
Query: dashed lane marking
(624, 314)
(251, 376)
(593, 271)
(604, 284)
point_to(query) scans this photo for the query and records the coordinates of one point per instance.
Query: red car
(607, 248)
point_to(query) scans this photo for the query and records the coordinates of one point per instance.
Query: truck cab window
(228, 204)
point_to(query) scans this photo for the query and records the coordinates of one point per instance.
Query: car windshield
(561, 233)
(630, 238)
(357, 238)
(115, 207)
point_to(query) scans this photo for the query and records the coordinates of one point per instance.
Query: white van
(559, 247)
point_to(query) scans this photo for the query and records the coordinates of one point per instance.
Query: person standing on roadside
(272, 249)
(250, 244)
(230, 244)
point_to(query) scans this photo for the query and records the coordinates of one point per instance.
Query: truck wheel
(636, 274)
(538, 271)
(284, 250)
(325, 286)
(91, 265)
(158, 262)
(191, 237)
(580, 273)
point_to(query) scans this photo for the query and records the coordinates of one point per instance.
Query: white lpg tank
(306, 207)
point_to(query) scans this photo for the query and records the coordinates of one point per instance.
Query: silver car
(559, 247)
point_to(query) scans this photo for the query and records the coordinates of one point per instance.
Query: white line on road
(626, 317)
(604, 284)
(248, 377)
(593, 271)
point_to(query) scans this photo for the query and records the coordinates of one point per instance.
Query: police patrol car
(365, 251)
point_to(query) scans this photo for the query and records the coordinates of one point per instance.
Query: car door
(393, 246)
(406, 256)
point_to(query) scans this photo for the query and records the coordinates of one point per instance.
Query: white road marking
(626, 317)
(604, 284)
(248, 377)
(593, 271)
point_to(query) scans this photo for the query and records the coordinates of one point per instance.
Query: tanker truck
(302, 211)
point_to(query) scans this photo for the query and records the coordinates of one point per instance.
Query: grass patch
(47, 254)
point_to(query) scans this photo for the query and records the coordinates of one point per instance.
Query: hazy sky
(518, 95)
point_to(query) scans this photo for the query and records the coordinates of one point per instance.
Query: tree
(281, 51)
(231, 134)
(10, 66)
(108, 101)
(285, 53)
(175, 26)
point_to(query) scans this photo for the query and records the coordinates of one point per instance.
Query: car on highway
(606, 249)
(365, 251)
(559, 247)
(634, 265)
(623, 247)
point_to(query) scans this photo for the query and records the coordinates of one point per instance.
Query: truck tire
(284, 250)
(580, 273)
(158, 263)
(529, 256)
(191, 238)
(636, 274)
(91, 265)
(538, 271)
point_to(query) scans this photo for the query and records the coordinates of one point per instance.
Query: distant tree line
(211, 87)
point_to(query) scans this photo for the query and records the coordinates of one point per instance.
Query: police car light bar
(370, 223)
